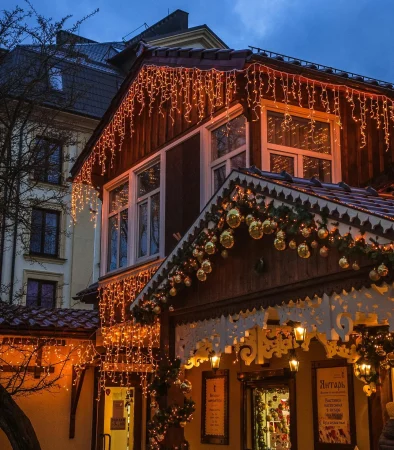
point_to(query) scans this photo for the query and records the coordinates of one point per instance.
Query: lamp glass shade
(299, 334)
(294, 363)
(215, 361)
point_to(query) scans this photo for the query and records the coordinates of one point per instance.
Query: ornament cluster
(293, 228)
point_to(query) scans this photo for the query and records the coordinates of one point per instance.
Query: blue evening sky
(354, 35)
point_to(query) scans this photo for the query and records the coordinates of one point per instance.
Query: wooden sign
(118, 421)
(333, 404)
(214, 420)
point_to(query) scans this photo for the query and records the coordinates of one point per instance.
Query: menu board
(334, 412)
(215, 407)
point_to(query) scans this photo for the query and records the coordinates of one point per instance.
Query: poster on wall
(214, 412)
(333, 404)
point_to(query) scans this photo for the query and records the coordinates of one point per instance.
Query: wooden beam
(76, 388)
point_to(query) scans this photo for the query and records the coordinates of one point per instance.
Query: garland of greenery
(295, 228)
(175, 415)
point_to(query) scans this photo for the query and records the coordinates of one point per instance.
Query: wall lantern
(215, 361)
(294, 362)
(299, 334)
(363, 370)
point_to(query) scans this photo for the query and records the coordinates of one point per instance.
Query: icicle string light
(179, 90)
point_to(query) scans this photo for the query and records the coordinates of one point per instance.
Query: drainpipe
(14, 240)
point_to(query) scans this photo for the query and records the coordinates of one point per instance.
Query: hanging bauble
(210, 248)
(306, 232)
(224, 254)
(343, 262)
(271, 429)
(355, 266)
(187, 281)
(177, 278)
(274, 225)
(227, 239)
(256, 229)
(268, 417)
(292, 244)
(206, 266)
(182, 424)
(279, 244)
(383, 270)
(163, 298)
(214, 238)
(374, 275)
(281, 235)
(324, 252)
(322, 233)
(314, 244)
(234, 218)
(201, 275)
(267, 227)
(157, 309)
(186, 386)
(171, 309)
(303, 250)
(249, 219)
(172, 291)
(196, 252)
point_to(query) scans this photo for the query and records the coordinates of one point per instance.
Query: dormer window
(55, 79)
(228, 150)
(305, 149)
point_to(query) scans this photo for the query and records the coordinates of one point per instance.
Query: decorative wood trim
(215, 439)
(352, 417)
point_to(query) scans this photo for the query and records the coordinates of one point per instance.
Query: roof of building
(361, 208)
(18, 318)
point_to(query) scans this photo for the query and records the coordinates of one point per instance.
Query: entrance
(269, 410)
(119, 410)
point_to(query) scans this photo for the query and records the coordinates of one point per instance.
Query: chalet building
(246, 238)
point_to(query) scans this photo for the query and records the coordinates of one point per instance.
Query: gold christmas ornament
(383, 270)
(374, 275)
(173, 292)
(214, 239)
(224, 254)
(196, 252)
(163, 299)
(210, 248)
(274, 225)
(314, 244)
(343, 262)
(177, 278)
(281, 235)
(206, 266)
(355, 266)
(201, 275)
(249, 219)
(306, 232)
(279, 244)
(292, 244)
(322, 233)
(157, 309)
(187, 281)
(186, 386)
(303, 250)
(267, 227)
(324, 252)
(256, 229)
(234, 218)
(171, 309)
(227, 239)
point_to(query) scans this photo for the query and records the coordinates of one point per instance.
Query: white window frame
(207, 165)
(296, 153)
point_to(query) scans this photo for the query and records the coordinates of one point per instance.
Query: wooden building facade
(245, 197)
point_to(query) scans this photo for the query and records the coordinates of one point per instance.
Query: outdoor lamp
(215, 361)
(294, 363)
(362, 369)
(299, 334)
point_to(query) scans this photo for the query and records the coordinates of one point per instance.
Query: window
(148, 211)
(118, 223)
(55, 79)
(228, 150)
(44, 238)
(49, 161)
(41, 293)
(297, 147)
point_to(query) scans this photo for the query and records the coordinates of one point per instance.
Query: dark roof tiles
(25, 318)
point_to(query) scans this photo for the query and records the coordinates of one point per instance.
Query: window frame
(131, 176)
(55, 73)
(43, 233)
(46, 162)
(268, 148)
(39, 295)
(207, 165)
